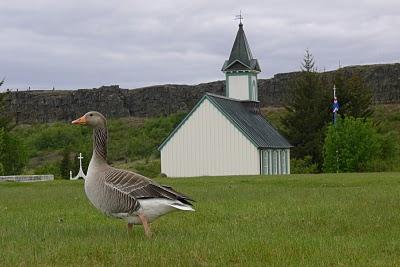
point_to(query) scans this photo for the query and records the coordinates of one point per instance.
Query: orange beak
(80, 121)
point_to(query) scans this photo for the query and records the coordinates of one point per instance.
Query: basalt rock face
(383, 79)
(49, 106)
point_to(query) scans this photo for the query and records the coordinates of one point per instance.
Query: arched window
(283, 161)
(275, 162)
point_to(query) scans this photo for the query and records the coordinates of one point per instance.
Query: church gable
(237, 65)
(241, 115)
(207, 110)
(207, 143)
(180, 125)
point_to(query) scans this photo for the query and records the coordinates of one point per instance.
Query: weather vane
(239, 17)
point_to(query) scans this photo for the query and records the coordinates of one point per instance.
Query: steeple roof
(241, 57)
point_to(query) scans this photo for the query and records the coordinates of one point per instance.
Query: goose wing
(135, 186)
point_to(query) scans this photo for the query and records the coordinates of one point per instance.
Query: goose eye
(90, 115)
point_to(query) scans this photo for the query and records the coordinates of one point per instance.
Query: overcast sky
(88, 43)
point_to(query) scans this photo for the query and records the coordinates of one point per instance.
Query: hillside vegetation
(133, 142)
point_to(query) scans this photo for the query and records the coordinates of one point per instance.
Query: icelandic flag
(335, 105)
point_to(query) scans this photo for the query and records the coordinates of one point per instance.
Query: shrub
(149, 169)
(65, 164)
(50, 168)
(55, 137)
(304, 165)
(351, 145)
(1, 169)
(13, 156)
(145, 140)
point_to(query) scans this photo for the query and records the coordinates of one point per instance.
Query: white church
(227, 135)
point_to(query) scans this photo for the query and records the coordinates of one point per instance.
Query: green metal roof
(253, 125)
(241, 54)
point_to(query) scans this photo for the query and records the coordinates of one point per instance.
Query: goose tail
(182, 206)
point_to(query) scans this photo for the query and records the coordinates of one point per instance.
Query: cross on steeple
(239, 17)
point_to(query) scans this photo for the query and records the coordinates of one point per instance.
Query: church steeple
(241, 57)
(241, 70)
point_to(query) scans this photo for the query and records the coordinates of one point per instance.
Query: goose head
(92, 119)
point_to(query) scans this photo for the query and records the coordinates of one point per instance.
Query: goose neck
(100, 142)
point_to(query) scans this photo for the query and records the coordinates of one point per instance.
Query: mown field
(297, 220)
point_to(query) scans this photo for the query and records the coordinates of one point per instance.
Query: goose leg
(145, 223)
(130, 225)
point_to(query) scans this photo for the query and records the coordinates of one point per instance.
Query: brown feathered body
(124, 194)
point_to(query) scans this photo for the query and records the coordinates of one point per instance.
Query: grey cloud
(76, 44)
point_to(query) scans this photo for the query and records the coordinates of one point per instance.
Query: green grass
(297, 220)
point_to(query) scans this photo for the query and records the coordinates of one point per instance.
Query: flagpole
(335, 108)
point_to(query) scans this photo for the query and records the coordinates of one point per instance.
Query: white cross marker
(80, 173)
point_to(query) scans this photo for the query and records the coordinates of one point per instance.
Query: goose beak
(80, 121)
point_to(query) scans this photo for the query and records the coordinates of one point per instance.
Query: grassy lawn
(297, 220)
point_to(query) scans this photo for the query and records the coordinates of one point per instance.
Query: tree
(354, 95)
(350, 145)
(308, 62)
(1, 136)
(1, 150)
(3, 120)
(13, 156)
(65, 164)
(308, 112)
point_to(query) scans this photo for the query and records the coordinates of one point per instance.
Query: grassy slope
(120, 131)
(297, 220)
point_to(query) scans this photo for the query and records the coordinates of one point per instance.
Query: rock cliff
(49, 106)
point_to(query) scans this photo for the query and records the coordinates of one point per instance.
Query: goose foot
(130, 226)
(145, 223)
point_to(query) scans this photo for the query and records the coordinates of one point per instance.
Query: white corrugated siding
(208, 144)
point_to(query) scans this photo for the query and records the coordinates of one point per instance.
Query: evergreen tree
(308, 62)
(1, 136)
(1, 150)
(2, 147)
(354, 95)
(13, 156)
(308, 112)
(3, 120)
(65, 164)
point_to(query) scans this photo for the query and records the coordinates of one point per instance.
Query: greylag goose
(124, 194)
